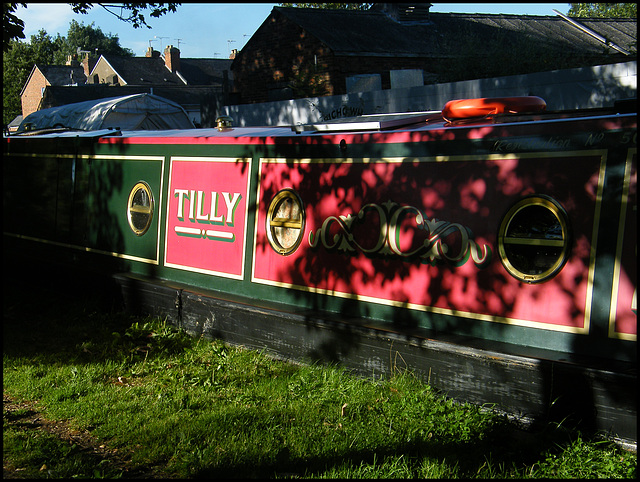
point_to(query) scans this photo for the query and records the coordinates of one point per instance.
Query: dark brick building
(303, 52)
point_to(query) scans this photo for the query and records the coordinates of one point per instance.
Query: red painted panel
(363, 220)
(207, 213)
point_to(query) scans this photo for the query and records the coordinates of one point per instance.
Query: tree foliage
(16, 66)
(12, 26)
(603, 10)
(132, 13)
(88, 38)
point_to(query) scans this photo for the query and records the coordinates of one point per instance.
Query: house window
(363, 83)
(96, 79)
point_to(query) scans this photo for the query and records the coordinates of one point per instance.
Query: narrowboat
(488, 247)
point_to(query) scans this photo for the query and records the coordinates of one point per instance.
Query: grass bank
(92, 392)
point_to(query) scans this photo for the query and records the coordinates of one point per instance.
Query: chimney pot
(88, 63)
(172, 58)
(152, 53)
(72, 61)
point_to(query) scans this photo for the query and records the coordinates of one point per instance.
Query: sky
(211, 30)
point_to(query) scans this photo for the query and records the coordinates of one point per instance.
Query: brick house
(43, 76)
(306, 52)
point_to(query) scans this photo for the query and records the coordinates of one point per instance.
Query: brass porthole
(285, 222)
(534, 239)
(140, 208)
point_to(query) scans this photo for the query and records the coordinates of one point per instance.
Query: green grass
(190, 408)
(43, 455)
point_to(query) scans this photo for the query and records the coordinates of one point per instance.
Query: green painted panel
(109, 185)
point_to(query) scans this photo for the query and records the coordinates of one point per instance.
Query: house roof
(57, 75)
(63, 74)
(205, 71)
(349, 32)
(152, 71)
(141, 70)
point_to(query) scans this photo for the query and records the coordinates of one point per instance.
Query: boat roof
(361, 125)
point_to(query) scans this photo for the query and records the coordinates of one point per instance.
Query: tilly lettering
(204, 207)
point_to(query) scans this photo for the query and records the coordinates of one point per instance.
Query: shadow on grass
(503, 447)
(41, 320)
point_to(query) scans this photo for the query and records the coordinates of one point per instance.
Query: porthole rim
(134, 190)
(560, 214)
(273, 242)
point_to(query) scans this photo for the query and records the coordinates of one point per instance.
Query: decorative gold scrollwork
(440, 236)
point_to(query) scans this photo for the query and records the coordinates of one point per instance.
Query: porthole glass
(534, 240)
(140, 208)
(285, 222)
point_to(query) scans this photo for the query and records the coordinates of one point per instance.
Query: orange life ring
(467, 108)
